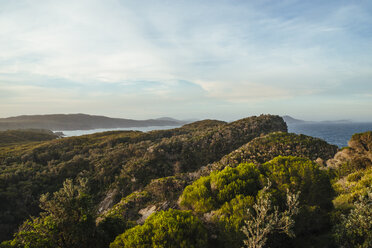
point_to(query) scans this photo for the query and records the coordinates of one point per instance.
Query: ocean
(334, 133)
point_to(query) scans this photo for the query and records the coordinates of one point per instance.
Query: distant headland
(58, 122)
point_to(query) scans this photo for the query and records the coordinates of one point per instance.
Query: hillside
(164, 193)
(79, 122)
(119, 162)
(25, 136)
(185, 187)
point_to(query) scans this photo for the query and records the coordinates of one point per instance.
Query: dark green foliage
(197, 125)
(352, 170)
(170, 188)
(265, 148)
(25, 135)
(122, 162)
(215, 194)
(133, 174)
(68, 220)
(110, 227)
(170, 229)
(229, 220)
(265, 219)
(211, 192)
(300, 174)
(355, 228)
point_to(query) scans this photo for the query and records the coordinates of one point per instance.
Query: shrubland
(206, 184)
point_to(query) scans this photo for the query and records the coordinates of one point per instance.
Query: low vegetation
(207, 184)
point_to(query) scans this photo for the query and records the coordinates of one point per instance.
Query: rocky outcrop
(352, 166)
(358, 154)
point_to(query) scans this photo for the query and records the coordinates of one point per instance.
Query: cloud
(243, 92)
(178, 51)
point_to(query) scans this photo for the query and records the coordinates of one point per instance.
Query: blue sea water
(334, 133)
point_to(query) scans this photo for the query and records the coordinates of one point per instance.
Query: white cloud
(242, 52)
(243, 92)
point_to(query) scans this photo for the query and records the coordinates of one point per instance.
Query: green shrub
(226, 195)
(168, 229)
(350, 188)
(355, 229)
(68, 220)
(211, 192)
(300, 174)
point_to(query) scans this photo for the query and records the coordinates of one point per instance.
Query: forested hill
(186, 187)
(79, 122)
(119, 162)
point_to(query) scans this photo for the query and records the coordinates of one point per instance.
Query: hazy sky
(187, 59)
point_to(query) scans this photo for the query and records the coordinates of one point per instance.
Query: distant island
(290, 120)
(57, 122)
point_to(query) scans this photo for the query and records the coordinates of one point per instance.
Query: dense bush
(267, 147)
(351, 187)
(300, 174)
(211, 192)
(355, 228)
(171, 229)
(223, 194)
(68, 220)
(120, 162)
(25, 135)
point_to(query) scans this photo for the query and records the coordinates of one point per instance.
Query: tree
(68, 220)
(266, 219)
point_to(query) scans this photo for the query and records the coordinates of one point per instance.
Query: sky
(187, 59)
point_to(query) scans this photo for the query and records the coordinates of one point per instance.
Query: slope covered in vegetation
(24, 136)
(163, 193)
(207, 184)
(116, 162)
(352, 176)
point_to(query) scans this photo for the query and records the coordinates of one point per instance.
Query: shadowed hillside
(25, 135)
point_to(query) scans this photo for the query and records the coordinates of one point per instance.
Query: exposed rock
(108, 201)
(358, 155)
(146, 212)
